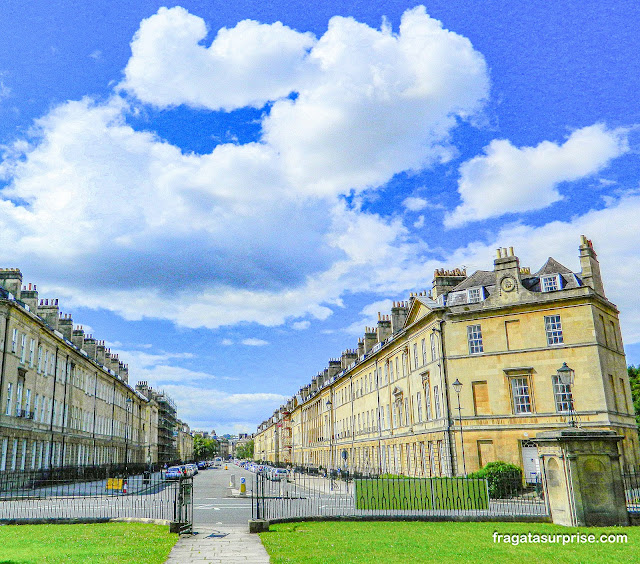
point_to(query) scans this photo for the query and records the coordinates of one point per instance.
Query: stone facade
(65, 399)
(390, 405)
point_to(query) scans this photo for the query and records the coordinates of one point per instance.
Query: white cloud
(253, 342)
(301, 325)
(419, 223)
(247, 65)
(226, 342)
(260, 225)
(509, 179)
(369, 316)
(415, 204)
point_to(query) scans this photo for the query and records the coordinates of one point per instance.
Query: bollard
(243, 485)
(232, 481)
(226, 467)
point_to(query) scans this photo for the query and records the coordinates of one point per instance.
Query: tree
(204, 449)
(245, 450)
(634, 379)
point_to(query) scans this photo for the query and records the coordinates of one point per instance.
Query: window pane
(553, 328)
(474, 336)
(562, 394)
(520, 391)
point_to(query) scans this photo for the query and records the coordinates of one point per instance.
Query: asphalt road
(212, 503)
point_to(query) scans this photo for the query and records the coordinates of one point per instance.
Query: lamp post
(329, 406)
(457, 386)
(566, 375)
(128, 403)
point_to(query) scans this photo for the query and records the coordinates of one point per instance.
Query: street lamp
(566, 376)
(128, 403)
(329, 405)
(457, 386)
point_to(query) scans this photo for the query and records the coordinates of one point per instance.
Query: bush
(503, 479)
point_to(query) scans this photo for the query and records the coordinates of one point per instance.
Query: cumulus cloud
(369, 316)
(104, 216)
(415, 204)
(509, 179)
(301, 325)
(253, 342)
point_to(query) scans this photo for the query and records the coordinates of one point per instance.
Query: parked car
(175, 473)
(202, 465)
(277, 474)
(193, 468)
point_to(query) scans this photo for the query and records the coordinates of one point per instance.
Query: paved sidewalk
(219, 543)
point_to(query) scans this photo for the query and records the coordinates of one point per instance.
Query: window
(424, 352)
(427, 399)
(3, 454)
(550, 283)
(32, 348)
(23, 348)
(14, 340)
(419, 402)
(7, 411)
(553, 328)
(474, 295)
(36, 404)
(433, 346)
(520, 394)
(407, 414)
(474, 337)
(39, 359)
(562, 394)
(436, 401)
(415, 355)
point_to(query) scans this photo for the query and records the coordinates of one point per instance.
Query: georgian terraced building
(500, 336)
(65, 399)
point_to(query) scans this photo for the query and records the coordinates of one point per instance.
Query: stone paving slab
(219, 544)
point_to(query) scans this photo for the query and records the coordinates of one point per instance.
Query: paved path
(228, 544)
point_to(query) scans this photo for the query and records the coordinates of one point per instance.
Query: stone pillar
(582, 477)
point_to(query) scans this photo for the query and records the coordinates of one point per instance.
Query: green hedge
(421, 493)
(504, 479)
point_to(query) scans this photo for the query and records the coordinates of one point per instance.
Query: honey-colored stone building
(65, 399)
(500, 335)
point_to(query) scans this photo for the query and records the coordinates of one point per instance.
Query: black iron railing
(310, 492)
(631, 480)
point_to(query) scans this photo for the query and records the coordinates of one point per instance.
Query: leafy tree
(204, 449)
(634, 379)
(245, 450)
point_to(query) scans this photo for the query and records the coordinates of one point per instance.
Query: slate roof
(552, 266)
(478, 278)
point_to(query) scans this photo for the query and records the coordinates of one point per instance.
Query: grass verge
(115, 543)
(402, 542)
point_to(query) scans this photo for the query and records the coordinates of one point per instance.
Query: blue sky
(227, 193)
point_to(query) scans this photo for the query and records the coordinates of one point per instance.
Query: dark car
(202, 465)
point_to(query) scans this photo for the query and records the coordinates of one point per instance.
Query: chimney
(90, 346)
(445, 280)
(399, 314)
(360, 347)
(589, 266)
(101, 353)
(143, 388)
(29, 296)
(384, 327)
(77, 337)
(11, 281)
(65, 326)
(370, 338)
(48, 311)
(113, 362)
(335, 366)
(123, 372)
(348, 357)
(508, 276)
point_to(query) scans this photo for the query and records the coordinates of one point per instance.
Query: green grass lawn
(115, 543)
(401, 542)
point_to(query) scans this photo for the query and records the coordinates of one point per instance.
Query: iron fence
(631, 480)
(301, 494)
(93, 493)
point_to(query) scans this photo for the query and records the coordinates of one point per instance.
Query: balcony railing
(24, 413)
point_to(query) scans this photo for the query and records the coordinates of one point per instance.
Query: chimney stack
(384, 327)
(589, 266)
(65, 326)
(11, 281)
(399, 314)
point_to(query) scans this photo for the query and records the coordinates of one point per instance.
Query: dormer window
(474, 295)
(551, 283)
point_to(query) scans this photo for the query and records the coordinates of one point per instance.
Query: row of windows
(23, 454)
(552, 327)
